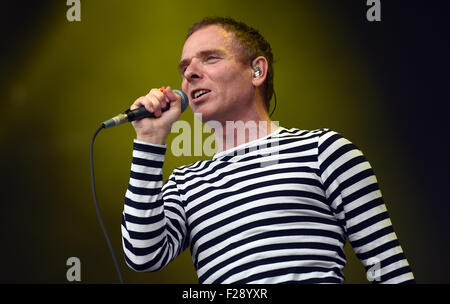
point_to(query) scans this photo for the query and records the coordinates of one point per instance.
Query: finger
(163, 100)
(155, 104)
(160, 96)
(141, 101)
(157, 93)
(171, 95)
(166, 99)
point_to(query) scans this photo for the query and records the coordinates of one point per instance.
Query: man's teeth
(199, 93)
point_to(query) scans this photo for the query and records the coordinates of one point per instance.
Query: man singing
(273, 205)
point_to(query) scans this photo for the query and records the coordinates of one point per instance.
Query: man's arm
(355, 198)
(153, 222)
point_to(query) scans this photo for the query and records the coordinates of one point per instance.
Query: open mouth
(198, 93)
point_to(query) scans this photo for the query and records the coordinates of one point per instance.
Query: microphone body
(141, 112)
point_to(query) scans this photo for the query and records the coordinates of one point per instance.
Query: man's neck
(238, 132)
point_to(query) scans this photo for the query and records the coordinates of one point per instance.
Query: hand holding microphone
(152, 115)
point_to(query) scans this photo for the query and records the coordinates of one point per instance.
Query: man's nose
(192, 71)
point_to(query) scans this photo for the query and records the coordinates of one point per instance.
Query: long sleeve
(153, 221)
(354, 196)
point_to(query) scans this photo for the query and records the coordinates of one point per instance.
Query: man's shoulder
(195, 166)
(321, 138)
(286, 135)
(302, 134)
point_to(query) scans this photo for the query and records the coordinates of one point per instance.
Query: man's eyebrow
(185, 62)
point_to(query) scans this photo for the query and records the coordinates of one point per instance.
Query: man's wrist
(156, 140)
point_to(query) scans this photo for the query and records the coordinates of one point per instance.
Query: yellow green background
(378, 84)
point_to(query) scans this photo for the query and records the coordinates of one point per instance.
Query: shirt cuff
(148, 147)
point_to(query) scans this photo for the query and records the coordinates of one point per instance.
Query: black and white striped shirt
(274, 210)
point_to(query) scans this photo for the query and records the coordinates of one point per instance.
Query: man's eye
(211, 58)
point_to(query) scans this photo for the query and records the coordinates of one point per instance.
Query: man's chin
(205, 116)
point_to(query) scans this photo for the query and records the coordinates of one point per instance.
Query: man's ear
(259, 68)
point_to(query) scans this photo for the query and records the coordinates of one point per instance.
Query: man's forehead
(213, 29)
(211, 36)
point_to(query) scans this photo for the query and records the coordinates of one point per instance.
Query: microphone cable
(275, 103)
(119, 274)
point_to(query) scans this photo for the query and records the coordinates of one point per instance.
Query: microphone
(141, 112)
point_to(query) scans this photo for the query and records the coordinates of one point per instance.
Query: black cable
(98, 210)
(275, 103)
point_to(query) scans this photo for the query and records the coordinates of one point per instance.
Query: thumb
(173, 97)
(174, 100)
